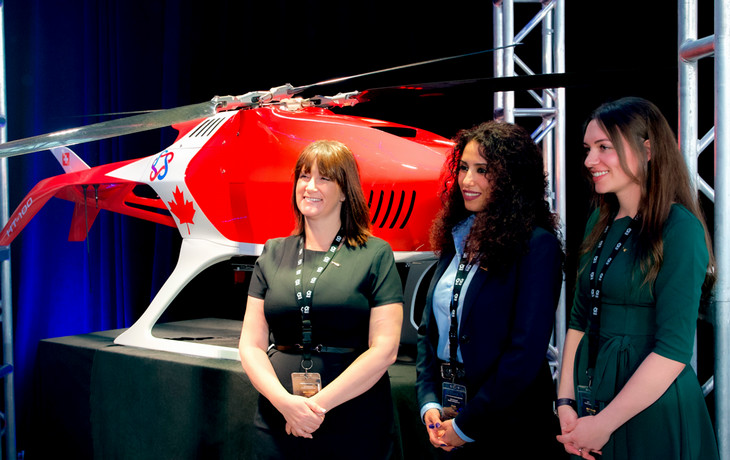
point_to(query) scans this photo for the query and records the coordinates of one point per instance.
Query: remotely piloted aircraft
(225, 184)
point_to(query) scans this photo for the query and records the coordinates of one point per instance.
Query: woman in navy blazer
(484, 385)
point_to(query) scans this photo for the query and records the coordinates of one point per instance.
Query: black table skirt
(94, 399)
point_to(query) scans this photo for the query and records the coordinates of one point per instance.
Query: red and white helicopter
(225, 183)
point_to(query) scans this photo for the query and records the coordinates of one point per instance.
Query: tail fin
(69, 160)
(82, 220)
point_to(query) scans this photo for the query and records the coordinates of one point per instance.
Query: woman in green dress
(626, 389)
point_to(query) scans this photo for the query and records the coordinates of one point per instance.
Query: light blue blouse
(445, 288)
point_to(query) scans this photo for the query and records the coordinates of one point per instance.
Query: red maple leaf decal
(183, 210)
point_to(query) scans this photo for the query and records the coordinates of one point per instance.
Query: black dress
(356, 280)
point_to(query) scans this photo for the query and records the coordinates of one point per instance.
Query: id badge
(453, 399)
(306, 384)
(586, 404)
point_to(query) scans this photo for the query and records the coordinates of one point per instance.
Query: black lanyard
(461, 274)
(596, 284)
(304, 298)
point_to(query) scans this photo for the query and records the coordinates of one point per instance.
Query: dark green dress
(637, 320)
(357, 280)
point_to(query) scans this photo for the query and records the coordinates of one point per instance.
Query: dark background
(67, 61)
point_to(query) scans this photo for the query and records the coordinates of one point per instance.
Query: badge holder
(453, 395)
(586, 405)
(306, 383)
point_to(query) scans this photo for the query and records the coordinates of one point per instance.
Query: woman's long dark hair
(664, 179)
(517, 199)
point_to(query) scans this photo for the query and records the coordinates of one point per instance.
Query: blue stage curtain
(67, 61)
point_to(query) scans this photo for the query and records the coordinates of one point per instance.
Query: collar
(460, 232)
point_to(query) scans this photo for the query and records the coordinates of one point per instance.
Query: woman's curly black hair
(517, 203)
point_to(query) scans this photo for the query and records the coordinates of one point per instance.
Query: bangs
(327, 161)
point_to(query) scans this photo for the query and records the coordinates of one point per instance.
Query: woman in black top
(345, 337)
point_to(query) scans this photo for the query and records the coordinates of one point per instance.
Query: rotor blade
(112, 128)
(299, 89)
(474, 86)
(117, 114)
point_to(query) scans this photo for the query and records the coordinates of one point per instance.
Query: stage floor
(95, 399)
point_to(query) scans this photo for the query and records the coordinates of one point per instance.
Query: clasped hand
(581, 436)
(303, 415)
(441, 434)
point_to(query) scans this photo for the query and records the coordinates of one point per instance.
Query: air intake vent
(388, 209)
(206, 128)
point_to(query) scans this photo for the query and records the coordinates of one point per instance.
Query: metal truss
(6, 301)
(549, 106)
(691, 50)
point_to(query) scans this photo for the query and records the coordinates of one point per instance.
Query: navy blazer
(504, 334)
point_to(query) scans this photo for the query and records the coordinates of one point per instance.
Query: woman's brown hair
(662, 174)
(336, 161)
